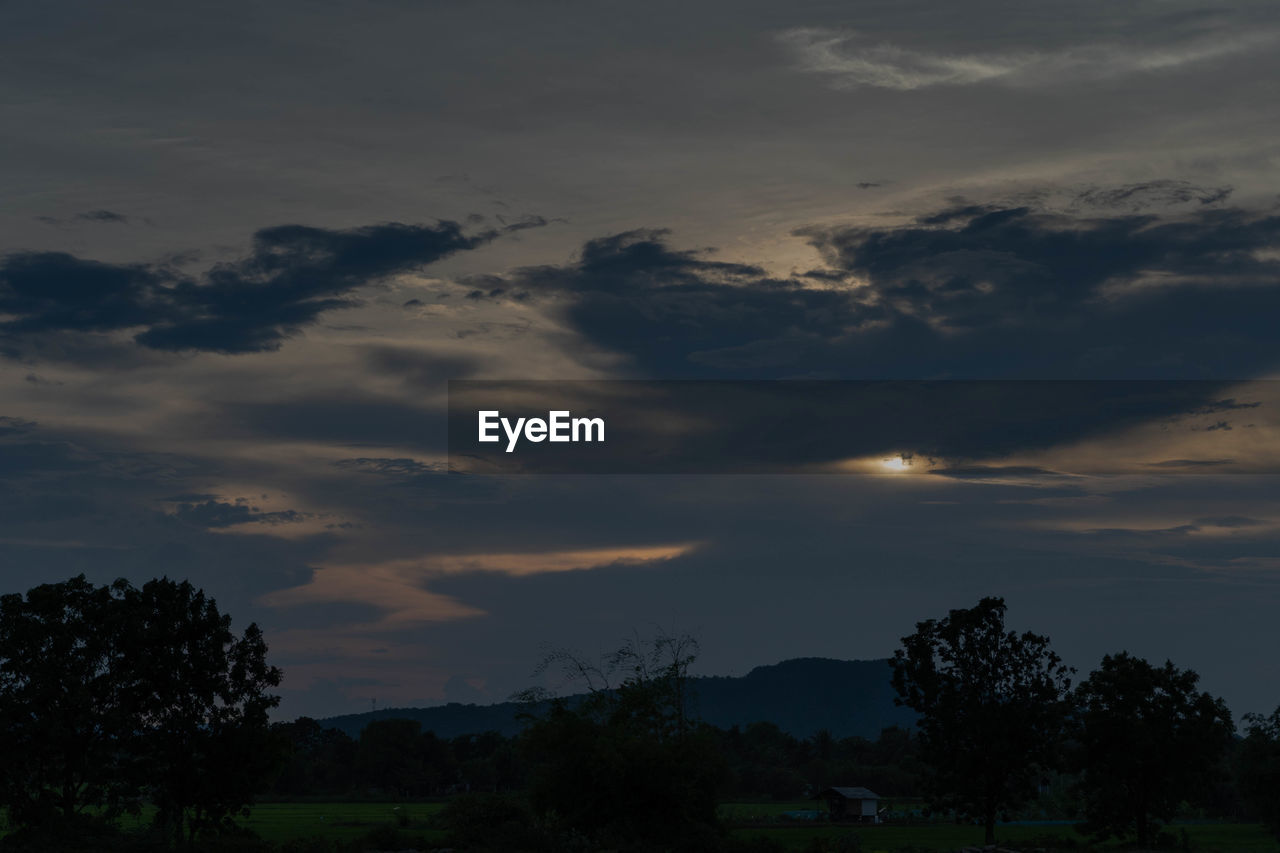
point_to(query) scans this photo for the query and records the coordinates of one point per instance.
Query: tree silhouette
(62, 714)
(203, 744)
(1147, 740)
(992, 708)
(1259, 768)
(629, 764)
(112, 694)
(390, 759)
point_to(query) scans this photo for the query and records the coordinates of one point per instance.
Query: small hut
(852, 804)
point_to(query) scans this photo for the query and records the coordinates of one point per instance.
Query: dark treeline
(1004, 733)
(395, 759)
(119, 700)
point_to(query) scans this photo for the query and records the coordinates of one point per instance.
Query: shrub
(82, 834)
(492, 822)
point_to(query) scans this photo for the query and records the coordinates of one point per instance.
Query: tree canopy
(63, 711)
(992, 704)
(112, 694)
(630, 763)
(1259, 768)
(1148, 740)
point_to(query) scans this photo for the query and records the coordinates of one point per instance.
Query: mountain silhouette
(801, 696)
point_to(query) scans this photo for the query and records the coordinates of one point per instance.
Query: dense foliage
(761, 762)
(64, 704)
(1258, 768)
(1147, 738)
(628, 765)
(992, 705)
(113, 695)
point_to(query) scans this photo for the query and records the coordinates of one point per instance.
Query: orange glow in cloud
(557, 561)
(399, 587)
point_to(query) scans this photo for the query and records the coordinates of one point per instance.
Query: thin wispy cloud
(851, 60)
(398, 587)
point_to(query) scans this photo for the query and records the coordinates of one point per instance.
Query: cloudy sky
(245, 246)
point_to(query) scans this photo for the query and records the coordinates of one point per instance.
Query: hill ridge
(799, 695)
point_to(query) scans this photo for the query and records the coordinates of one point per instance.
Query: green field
(1205, 837)
(283, 821)
(340, 821)
(1217, 838)
(347, 821)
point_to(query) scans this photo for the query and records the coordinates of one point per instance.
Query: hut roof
(853, 793)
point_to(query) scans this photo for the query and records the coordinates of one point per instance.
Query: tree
(1147, 740)
(203, 746)
(389, 757)
(1259, 768)
(992, 708)
(317, 760)
(629, 764)
(62, 718)
(109, 694)
(486, 762)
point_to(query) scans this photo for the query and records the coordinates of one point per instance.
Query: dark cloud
(398, 467)
(293, 274)
(1148, 194)
(55, 291)
(102, 216)
(1231, 521)
(20, 458)
(1132, 533)
(1109, 297)
(1227, 405)
(524, 223)
(216, 513)
(13, 426)
(87, 216)
(670, 309)
(1191, 463)
(952, 294)
(999, 472)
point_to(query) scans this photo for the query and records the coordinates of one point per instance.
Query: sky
(246, 246)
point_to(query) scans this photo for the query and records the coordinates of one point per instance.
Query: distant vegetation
(396, 759)
(802, 696)
(135, 719)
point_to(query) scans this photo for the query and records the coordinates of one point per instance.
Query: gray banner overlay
(955, 428)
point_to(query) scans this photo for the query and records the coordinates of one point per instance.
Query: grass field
(341, 821)
(346, 821)
(1205, 838)
(283, 821)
